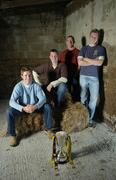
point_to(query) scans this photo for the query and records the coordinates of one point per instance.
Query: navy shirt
(91, 52)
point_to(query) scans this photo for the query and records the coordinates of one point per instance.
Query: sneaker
(13, 141)
(3, 133)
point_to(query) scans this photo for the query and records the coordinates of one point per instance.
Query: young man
(27, 97)
(69, 57)
(56, 77)
(90, 59)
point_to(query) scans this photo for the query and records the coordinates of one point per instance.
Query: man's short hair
(94, 31)
(25, 68)
(54, 50)
(72, 37)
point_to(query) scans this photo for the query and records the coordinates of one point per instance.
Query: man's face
(69, 42)
(26, 77)
(94, 38)
(53, 57)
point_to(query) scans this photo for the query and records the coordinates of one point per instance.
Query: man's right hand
(25, 109)
(49, 87)
(29, 108)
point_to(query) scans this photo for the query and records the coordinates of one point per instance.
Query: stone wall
(26, 36)
(80, 19)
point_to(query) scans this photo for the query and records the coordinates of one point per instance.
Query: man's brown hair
(25, 68)
(54, 50)
(72, 37)
(94, 31)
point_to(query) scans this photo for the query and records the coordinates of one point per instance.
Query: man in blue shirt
(27, 97)
(90, 59)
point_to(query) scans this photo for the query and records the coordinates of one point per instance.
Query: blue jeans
(56, 94)
(13, 113)
(60, 91)
(89, 86)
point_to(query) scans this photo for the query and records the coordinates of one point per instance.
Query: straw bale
(75, 117)
(29, 124)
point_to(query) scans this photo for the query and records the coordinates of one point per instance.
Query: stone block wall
(26, 36)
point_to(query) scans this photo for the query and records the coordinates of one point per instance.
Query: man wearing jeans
(55, 74)
(27, 97)
(90, 59)
(69, 57)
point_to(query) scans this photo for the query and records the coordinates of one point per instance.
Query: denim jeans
(73, 88)
(60, 91)
(13, 113)
(89, 86)
(56, 94)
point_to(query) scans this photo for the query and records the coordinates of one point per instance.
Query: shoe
(3, 133)
(92, 124)
(13, 141)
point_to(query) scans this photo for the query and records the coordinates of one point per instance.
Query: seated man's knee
(62, 87)
(9, 110)
(47, 107)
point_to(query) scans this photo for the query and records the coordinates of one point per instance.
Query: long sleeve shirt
(69, 56)
(53, 76)
(23, 95)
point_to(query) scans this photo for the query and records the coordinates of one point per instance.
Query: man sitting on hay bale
(55, 85)
(54, 76)
(27, 97)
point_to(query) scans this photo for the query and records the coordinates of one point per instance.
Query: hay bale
(67, 100)
(29, 124)
(75, 117)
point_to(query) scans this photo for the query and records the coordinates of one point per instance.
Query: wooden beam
(4, 4)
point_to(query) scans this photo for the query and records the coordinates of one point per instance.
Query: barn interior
(28, 30)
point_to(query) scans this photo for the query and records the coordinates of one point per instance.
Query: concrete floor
(93, 150)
